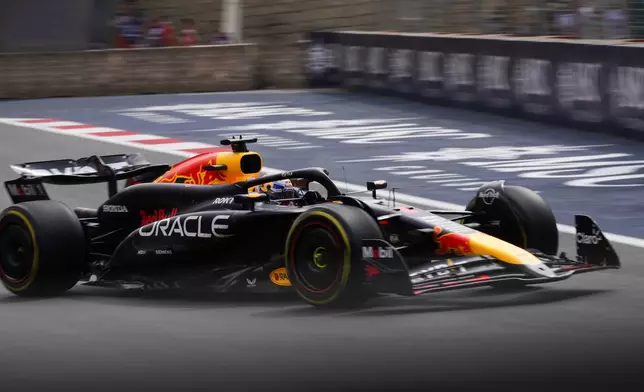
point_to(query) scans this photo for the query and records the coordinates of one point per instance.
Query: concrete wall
(290, 20)
(128, 71)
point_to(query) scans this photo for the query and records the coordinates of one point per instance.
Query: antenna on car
(346, 183)
(392, 197)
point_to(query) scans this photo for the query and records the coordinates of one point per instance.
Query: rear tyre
(323, 255)
(42, 248)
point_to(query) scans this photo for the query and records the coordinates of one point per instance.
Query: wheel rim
(317, 257)
(16, 254)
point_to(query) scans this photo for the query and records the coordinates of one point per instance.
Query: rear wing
(88, 170)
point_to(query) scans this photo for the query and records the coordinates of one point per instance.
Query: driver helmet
(281, 190)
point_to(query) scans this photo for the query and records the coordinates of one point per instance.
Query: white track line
(404, 198)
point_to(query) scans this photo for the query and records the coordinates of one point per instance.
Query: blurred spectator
(566, 24)
(169, 33)
(217, 37)
(128, 24)
(615, 24)
(154, 36)
(188, 35)
(220, 38)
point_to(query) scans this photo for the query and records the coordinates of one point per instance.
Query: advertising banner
(592, 86)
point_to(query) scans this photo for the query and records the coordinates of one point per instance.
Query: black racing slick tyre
(521, 217)
(323, 255)
(42, 249)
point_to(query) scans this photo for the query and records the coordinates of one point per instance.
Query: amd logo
(578, 82)
(458, 69)
(493, 73)
(429, 66)
(531, 77)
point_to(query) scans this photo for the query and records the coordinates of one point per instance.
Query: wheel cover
(16, 254)
(317, 257)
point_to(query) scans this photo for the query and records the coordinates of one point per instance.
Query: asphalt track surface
(583, 333)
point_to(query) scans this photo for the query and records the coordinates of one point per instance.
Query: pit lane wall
(595, 85)
(149, 71)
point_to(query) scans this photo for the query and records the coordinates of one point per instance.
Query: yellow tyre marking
(36, 259)
(346, 261)
(317, 255)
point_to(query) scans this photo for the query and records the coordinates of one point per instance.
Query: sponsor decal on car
(224, 200)
(187, 226)
(488, 196)
(163, 252)
(157, 215)
(112, 208)
(452, 243)
(26, 190)
(251, 282)
(371, 271)
(589, 239)
(377, 252)
(280, 277)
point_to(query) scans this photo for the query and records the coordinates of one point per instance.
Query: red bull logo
(195, 174)
(157, 215)
(193, 171)
(452, 243)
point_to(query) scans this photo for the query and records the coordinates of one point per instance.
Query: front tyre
(323, 255)
(42, 248)
(517, 215)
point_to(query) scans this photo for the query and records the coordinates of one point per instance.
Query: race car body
(330, 248)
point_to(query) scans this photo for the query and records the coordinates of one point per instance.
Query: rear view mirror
(316, 186)
(375, 185)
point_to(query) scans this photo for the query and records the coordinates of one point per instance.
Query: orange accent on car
(192, 170)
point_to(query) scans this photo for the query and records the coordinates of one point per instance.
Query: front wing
(387, 270)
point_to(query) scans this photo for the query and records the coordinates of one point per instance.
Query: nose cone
(487, 245)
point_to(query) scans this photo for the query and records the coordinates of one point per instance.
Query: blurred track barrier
(596, 85)
(587, 19)
(148, 71)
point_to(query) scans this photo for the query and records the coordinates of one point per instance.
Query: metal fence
(588, 19)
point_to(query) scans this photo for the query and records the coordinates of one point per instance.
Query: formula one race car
(174, 230)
